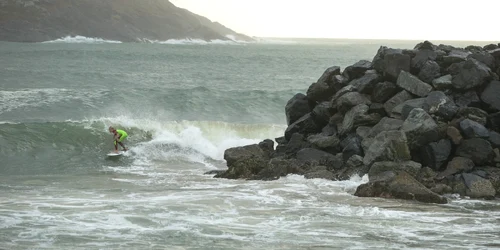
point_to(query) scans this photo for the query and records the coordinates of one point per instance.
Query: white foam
(81, 39)
(193, 41)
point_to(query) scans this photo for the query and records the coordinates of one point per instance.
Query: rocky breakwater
(421, 123)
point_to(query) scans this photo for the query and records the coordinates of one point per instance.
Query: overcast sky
(373, 19)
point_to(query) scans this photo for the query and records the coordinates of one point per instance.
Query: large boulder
(475, 114)
(419, 128)
(494, 121)
(366, 83)
(478, 187)
(296, 142)
(477, 149)
(430, 71)
(358, 116)
(421, 57)
(437, 103)
(456, 56)
(470, 74)
(390, 62)
(317, 157)
(305, 125)
(327, 76)
(472, 129)
(456, 166)
(410, 167)
(387, 146)
(443, 82)
(484, 57)
(400, 185)
(403, 110)
(397, 99)
(244, 162)
(357, 70)
(467, 99)
(383, 91)
(351, 146)
(320, 91)
(278, 167)
(435, 154)
(385, 124)
(296, 108)
(328, 143)
(321, 114)
(412, 84)
(491, 95)
(349, 100)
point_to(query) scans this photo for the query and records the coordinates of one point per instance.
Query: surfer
(119, 136)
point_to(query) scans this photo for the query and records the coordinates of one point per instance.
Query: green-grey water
(183, 105)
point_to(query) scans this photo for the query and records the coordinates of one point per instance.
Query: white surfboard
(116, 153)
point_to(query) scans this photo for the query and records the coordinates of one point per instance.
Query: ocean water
(183, 103)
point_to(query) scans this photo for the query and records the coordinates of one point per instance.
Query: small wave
(81, 39)
(191, 41)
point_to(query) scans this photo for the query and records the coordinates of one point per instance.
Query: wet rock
(421, 57)
(385, 124)
(244, 162)
(327, 143)
(349, 100)
(267, 146)
(401, 186)
(435, 154)
(454, 135)
(296, 108)
(491, 95)
(320, 91)
(329, 73)
(472, 129)
(320, 174)
(478, 115)
(305, 125)
(494, 139)
(278, 167)
(354, 166)
(419, 128)
(443, 82)
(439, 104)
(478, 187)
(387, 146)
(321, 114)
(468, 99)
(385, 90)
(410, 167)
(396, 100)
(456, 56)
(215, 172)
(477, 149)
(471, 74)
(442, 189)
(357, 70)
(430, 71)
(318, 157)
(352, 147)
(455, 166)
(366, 83)
(403, 110)
(412, 84)
(485, 58)
(358, 116)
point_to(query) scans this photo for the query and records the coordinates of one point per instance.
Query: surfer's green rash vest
(122, 133)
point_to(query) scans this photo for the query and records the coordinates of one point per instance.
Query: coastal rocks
(411, 119)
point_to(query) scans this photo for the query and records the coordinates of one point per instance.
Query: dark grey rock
(475, 114)
(435, 154)
(430, 71)
(403, 110)
(471, 74)
(329, 129)
(244, 162)
(439, 104)
(357, 70)
(358, 116)
(494, 121)
(420, 128)
(425, 45)
(494, 139)
(396, 100)
(443, 82)
(490, 46)
(456, 56)
(295, 143)
(385, 124)
(385, 90)
(320, 91)
(484, 57)
(296, 108)
(477, 149)
(472, 129)
(318, 157)
(412, 84)
(320, 174)
(478, 187)
(387, 146)
(353, 147)
(390, 62)
(491, 95)
(421, 57)
(377, 108)
(410, 167)
(366, 83)
(454, 135)
(456, 165)
(305, 125)
(329, 73)
(324, 142)
(467, 99)
(321, 114)
(349, 100)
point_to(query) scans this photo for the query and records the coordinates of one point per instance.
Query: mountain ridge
(119, 20)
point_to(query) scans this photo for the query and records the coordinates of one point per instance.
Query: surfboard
(116, 153)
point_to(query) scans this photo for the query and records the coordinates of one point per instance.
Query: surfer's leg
(120, 141)
(116, 146)
(123, 146)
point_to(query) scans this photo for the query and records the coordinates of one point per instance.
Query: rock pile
(421, 123)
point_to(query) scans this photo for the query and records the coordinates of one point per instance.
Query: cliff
(422, 123)
(120, 20)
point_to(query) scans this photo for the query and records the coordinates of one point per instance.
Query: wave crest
(81, 39)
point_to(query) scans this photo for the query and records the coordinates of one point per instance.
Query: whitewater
(183, 103)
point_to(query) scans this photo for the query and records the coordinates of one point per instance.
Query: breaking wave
(81, 39)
